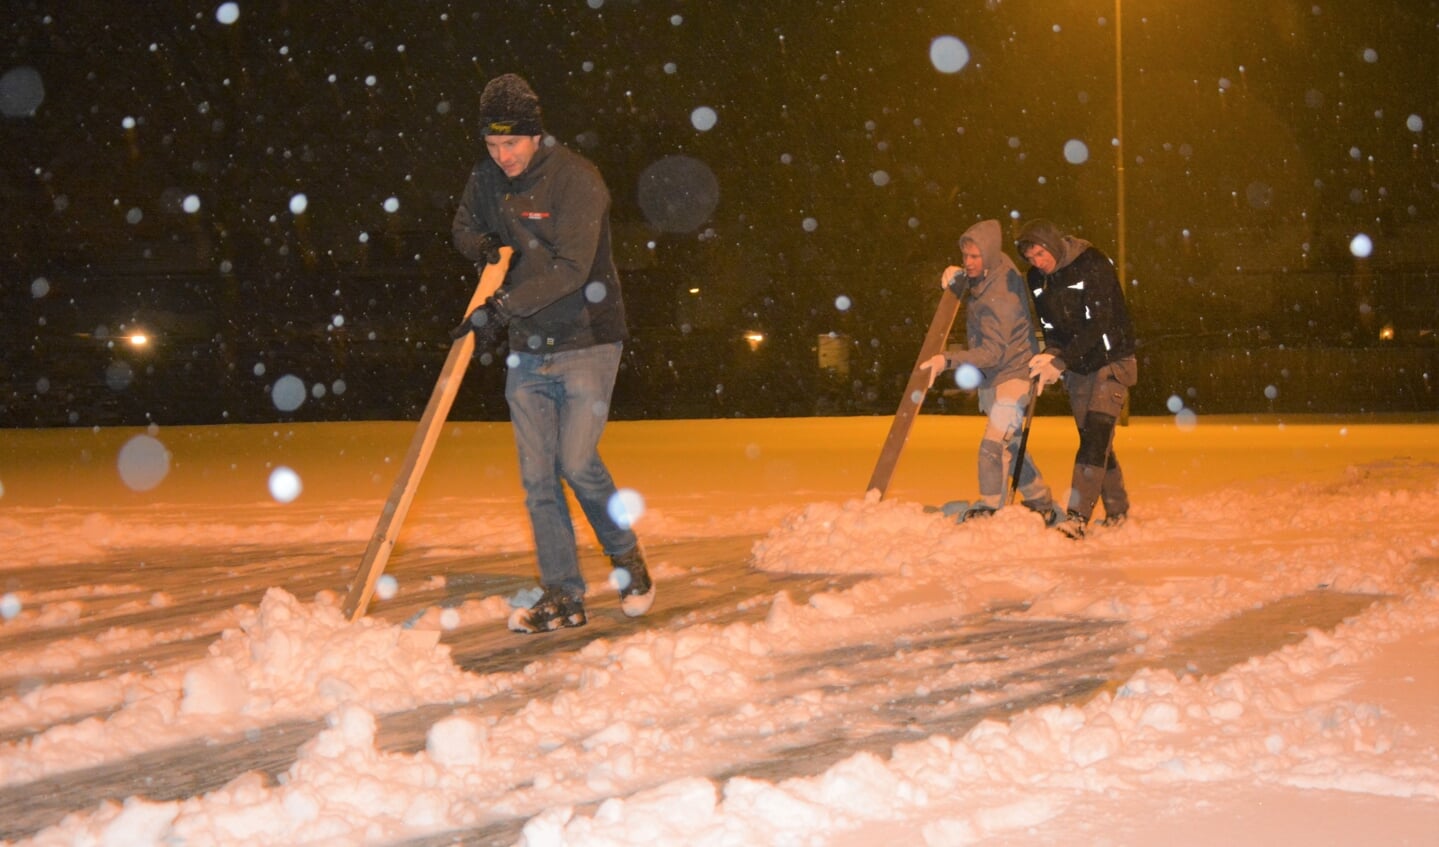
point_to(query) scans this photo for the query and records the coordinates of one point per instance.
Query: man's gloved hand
(489, 246)
(1045, 368)
(487, 322)
(954, 279)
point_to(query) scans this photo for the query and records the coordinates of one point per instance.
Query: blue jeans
(559, 404)
(1005, 406)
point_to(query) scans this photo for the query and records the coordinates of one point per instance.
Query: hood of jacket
(989, 238)
(1064, 248)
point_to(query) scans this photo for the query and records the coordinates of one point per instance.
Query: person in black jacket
(1089, 344)
(561, 311)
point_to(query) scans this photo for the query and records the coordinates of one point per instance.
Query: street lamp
(1119, 138)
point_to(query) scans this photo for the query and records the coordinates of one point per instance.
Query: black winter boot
(632, 579)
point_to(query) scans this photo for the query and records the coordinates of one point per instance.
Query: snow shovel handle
(1023, 440)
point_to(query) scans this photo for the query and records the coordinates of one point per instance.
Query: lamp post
(1119, 140)
(1122, 269)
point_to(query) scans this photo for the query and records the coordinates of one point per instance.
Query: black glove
(958, 284)
(489, 248)
(487, 322)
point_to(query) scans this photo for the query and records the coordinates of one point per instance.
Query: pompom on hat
(508, 106)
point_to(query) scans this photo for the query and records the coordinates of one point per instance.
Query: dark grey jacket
(998, 327)
(562, 291)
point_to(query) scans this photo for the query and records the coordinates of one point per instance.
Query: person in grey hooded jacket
(1089, 344)
(1000, 343)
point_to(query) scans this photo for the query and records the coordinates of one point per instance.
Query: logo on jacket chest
(535, 216)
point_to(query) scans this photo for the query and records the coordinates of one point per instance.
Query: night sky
(269, 193)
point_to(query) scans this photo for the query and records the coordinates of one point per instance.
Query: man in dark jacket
(1089, 343)
(562, 313)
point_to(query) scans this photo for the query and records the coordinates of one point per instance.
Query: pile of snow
(622, 741)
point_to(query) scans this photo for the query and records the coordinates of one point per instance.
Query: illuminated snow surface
(1252, 659)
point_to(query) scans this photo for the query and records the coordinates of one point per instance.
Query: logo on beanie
(501, 128)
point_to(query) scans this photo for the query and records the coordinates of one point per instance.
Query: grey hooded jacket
(998, 327)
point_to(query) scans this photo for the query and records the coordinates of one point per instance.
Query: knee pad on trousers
(1095, 438)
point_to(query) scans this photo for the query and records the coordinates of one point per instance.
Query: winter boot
(1115, 520)
(553, 610)
(1046, 509)
(1072, 525)
(632, 579)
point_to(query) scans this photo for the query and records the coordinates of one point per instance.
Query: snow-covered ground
(1252, 659)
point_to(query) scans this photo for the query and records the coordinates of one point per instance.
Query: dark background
(1259, 137)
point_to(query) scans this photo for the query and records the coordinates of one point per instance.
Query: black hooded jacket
(1081, 307)
(562, 291)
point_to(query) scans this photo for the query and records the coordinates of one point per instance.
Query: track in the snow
(1038, 661)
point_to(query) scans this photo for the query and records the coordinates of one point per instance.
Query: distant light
(284, 484)
(139, 339)
(1386, 333)
(1076, 152)
(228, 13)
(754, 340)
(1361, 246)
(694, 290)
(948, 54)
(704, 118)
